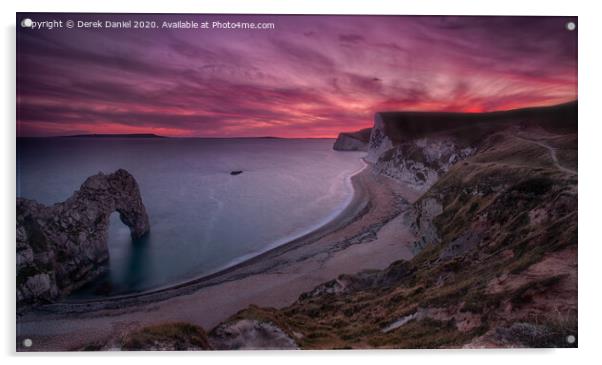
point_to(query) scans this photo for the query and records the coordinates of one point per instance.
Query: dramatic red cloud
(311, 76)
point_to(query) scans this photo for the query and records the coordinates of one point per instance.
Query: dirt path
(552, 152)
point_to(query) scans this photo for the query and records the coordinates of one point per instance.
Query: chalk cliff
(355, 141)
(415, 159)
(417, 148)
(63, 246)
(495, 260)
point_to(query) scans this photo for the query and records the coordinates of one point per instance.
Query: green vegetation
(170, 336)
(424, 334)
(491, 196)
(559, 332)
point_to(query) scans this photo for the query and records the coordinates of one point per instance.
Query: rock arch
(63, 246)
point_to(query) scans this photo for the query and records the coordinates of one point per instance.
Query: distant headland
(115, 135)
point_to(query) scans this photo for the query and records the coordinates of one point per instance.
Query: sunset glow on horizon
(311, 76)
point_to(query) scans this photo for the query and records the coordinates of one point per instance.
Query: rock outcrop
(415, 159)
(167, 336)
(419, 163)
(250, 334)
(162, 337)
(419, 218)
(379, 141)
(62, 247)
(355, 141)
(417, 148)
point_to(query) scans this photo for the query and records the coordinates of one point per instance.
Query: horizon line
(157, 136)
(90, 135)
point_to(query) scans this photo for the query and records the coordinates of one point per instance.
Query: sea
(203, 219)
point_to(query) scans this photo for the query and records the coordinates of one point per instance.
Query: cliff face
(62, 247)
(419, 163)
(418, 148)
(496, 248)
(356, 141)
(416, 161)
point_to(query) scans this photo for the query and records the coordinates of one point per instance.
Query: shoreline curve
(357, 206)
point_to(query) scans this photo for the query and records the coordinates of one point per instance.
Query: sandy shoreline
(368, 234)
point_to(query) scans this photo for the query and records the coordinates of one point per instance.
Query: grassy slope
(523, 210)
(400, 126)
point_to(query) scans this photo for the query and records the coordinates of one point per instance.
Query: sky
(309, 77)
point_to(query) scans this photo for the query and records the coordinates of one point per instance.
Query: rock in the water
(236, 172)
(62, 247)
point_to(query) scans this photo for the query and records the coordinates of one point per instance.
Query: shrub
(169, 336)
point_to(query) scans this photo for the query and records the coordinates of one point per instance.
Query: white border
(590, 105)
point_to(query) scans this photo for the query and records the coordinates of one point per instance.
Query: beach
(368, 235)
(202, 219)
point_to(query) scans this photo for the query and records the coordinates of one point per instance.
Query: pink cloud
(313, 76)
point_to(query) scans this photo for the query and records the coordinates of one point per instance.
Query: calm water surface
(202, 218)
